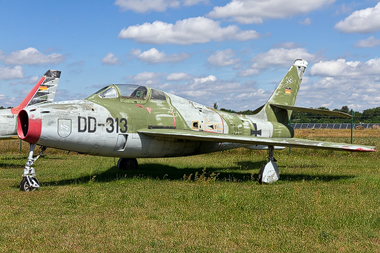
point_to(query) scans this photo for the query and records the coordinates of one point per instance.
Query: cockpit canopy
(129, 92)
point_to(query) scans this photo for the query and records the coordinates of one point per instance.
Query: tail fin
(42, 92)
(285, 94)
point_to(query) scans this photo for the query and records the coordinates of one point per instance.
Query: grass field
(325, 201)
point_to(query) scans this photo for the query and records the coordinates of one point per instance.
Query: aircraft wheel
(261, 174)
(25, 186)
(127, 164)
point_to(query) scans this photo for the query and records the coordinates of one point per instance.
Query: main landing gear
(269, 173)
(127, 164)
(29, 182)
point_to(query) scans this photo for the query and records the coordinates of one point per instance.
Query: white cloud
(329, 91)
(344, 9)
(341, 68)
(248, 72)
(213, 85)
(370, 42)
(194, 2)
(362, 21)
(277, 57)
(223, 58)
(142, 6)
(135, 52)
(229, 94)
(154, 56)
(281, 57)
(111, 59)
(185, 32)
(178, 77)
(31, 56)
(71, 94)
(289, 45)
(32, 80)
(252, 95)
(306, 21)
(7, 100)
(195, 93)
(7, 73)
(202, 80)
(146, 78)
(335, 92)
(248, 11)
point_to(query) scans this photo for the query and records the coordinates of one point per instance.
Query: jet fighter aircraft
(132, 121)
(43, 92)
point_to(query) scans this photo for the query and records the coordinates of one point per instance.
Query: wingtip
(359, 149)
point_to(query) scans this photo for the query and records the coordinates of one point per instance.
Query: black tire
(261, 174)
(127, 164)
(25, 186)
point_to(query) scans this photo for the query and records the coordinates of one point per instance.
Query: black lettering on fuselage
(113, 125)
(91, 122)
(82, 124)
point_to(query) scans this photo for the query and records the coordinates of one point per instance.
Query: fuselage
(7, 124)
(107, 124)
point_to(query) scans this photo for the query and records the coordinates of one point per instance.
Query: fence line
(334, 125)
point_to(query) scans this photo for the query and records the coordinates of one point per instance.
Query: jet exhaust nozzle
(29, 125)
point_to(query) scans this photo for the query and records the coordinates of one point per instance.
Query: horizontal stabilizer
(283, 142)
(310, 110)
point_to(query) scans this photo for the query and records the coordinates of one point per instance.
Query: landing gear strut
(269, 173)
(29, 182)
(127, 164)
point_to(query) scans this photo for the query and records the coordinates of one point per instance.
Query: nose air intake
(29, 126)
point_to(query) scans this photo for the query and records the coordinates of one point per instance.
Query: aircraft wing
(8, 137)
(251, 140)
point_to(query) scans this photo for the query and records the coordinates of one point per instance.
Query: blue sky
(232, 52)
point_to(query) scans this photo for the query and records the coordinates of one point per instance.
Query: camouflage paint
(285, 94)
(158, 124)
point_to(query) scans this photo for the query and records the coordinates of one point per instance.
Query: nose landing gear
(29, 182)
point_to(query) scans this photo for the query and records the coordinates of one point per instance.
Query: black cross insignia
(255, 132)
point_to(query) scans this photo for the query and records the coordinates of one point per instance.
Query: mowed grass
(325, 201)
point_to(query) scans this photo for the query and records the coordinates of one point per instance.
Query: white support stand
(269, 173)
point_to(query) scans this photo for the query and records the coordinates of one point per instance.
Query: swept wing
(285, 142)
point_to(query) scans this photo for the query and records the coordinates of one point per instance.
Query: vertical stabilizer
(285, 94)
(43, 92)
